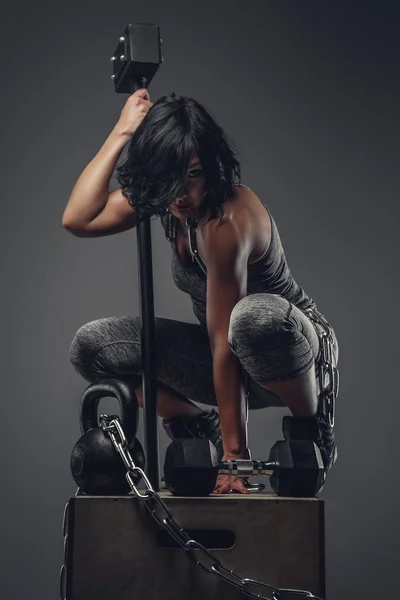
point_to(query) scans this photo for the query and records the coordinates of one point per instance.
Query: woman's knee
(267, 339)
(105, 346)
(258, 320)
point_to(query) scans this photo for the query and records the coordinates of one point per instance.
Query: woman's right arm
(92, 210)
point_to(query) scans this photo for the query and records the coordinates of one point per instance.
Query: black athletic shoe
(316, 429)
(206, 426)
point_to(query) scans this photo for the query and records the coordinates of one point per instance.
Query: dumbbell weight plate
(200, 479)
(301, 469)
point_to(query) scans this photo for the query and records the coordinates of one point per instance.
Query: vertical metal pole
(149, 351)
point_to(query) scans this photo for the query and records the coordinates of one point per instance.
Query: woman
(254, 336)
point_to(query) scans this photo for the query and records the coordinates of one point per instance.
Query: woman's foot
(315, 429)
(206, 425)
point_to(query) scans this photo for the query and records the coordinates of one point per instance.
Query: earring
(170, 226)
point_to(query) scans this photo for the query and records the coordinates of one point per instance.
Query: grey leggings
(273, 339)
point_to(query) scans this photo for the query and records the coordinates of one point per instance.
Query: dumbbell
(295, 468)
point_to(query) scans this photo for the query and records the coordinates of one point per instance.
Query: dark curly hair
(154, 172)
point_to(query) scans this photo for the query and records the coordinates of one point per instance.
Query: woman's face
(195, 190)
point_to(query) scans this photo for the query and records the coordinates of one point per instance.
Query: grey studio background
(308, 92)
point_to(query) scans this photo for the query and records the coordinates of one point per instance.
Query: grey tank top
(270, 274)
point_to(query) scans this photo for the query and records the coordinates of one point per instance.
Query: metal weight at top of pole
(135, 62)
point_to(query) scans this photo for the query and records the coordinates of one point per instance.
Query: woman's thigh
(111, 347)
(258, 335)
(275, 341)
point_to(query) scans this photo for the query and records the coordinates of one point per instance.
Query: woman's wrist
(120, 132)
(237, 455)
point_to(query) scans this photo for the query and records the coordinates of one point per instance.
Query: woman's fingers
(228, 483)
(142, 93)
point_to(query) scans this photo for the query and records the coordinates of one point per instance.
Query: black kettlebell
(96, 466)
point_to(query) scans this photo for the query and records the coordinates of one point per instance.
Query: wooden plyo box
(116, 551)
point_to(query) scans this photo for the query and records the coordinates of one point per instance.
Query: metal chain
(205, 560)
(328, 376)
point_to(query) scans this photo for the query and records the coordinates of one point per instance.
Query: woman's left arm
(226, 264)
